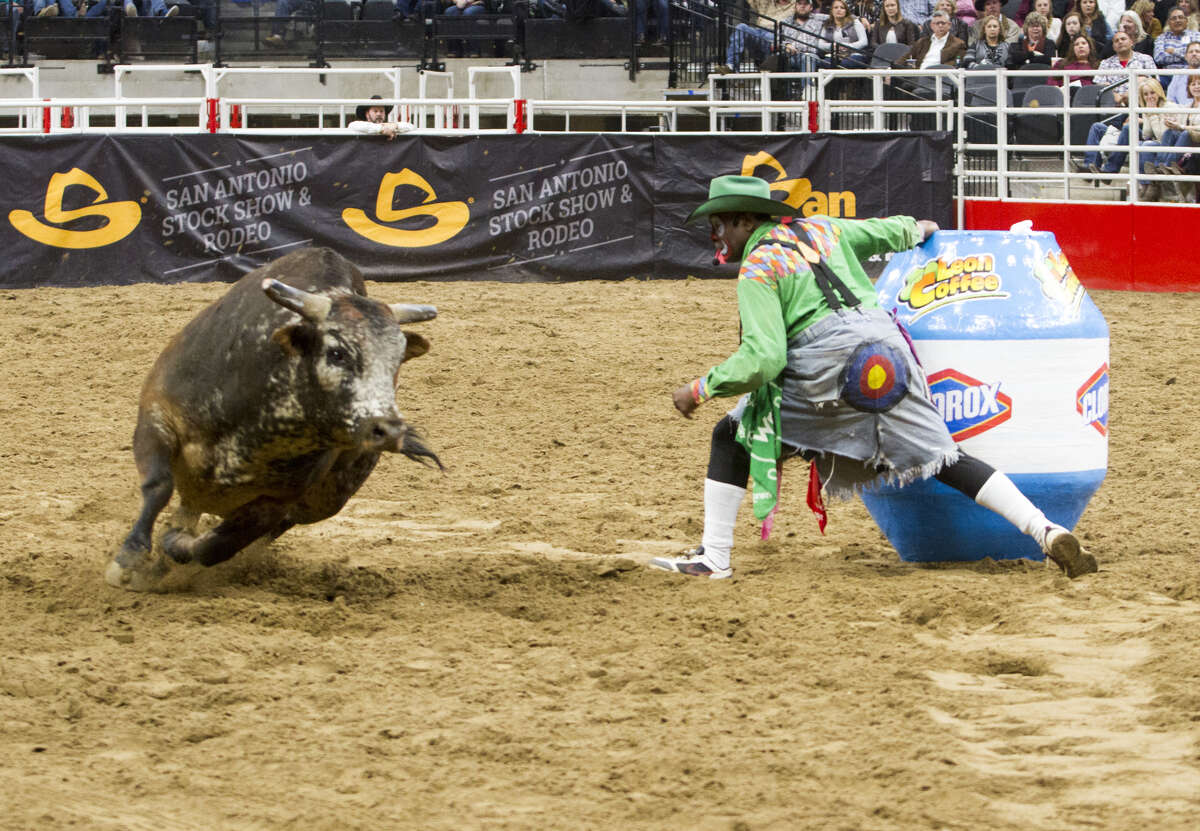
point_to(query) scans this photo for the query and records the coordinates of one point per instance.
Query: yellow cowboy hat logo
(120, 217)
(449, 217)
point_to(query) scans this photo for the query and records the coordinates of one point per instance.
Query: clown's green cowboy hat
(741, 194)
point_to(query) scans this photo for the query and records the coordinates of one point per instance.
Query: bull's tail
(414, 447)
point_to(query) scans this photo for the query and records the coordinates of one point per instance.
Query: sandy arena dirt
(483, 648)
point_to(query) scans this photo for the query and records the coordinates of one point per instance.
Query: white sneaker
(131, 10)
(692, 564)
(171, 12)
(49, 11)
(1061, 546)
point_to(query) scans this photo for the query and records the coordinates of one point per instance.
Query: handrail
(1007, 165)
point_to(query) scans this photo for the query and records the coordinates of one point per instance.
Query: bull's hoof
(175, 545)
(136, 573)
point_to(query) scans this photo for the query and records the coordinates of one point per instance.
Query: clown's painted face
(730, 232)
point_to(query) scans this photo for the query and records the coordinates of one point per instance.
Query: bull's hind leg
(132, 567)
(242, 527)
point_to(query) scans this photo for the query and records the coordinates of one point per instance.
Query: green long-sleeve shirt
(778, 296)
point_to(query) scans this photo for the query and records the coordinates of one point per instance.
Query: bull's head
(351, 348)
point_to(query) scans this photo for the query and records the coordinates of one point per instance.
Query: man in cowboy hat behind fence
(826, 374)
(371, 120)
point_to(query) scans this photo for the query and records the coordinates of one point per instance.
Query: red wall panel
(1119, 246)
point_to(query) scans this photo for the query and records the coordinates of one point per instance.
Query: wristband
(700, 391)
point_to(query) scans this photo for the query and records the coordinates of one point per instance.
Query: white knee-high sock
(999, 494)
(721, 504)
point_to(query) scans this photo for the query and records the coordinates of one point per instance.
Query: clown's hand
(685, 402)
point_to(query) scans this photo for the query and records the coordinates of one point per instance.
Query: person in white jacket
(371, 120)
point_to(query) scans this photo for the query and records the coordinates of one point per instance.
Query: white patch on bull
(373, 393)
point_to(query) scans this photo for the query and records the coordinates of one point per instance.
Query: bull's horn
(412, 312)
(311, 307)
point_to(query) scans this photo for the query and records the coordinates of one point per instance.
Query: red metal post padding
(68, 118)
(813, 112)
(214, 122)
(235, 115)
(519, 115)
(1118, 246)
(46, 117)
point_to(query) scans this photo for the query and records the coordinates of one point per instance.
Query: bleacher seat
(601, 37)
(886, 54)
(1035, 128)
(378, 10)
(337, 10)
(67, 38)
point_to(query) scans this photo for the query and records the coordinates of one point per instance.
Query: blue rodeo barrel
(1016, 355)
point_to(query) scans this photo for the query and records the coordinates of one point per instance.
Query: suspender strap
(827, 281)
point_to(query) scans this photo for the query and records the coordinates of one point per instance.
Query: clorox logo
(1091, 400)
(968, 406)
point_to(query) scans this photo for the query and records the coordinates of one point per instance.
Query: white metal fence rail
(994, 154)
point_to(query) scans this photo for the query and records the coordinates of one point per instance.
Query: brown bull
(269, 409)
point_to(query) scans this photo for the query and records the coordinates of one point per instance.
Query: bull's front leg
(132, 567)
(236, 531)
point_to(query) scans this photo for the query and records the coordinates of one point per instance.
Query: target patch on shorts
(875, 378)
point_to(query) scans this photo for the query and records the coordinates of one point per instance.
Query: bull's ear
(291, 338)
(415, 345)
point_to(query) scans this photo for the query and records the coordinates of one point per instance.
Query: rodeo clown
(830, 377)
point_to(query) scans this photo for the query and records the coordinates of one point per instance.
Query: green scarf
(758, 432)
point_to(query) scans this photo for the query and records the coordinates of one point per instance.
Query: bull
(268, 410)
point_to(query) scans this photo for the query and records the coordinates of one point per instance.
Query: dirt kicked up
(484, 648)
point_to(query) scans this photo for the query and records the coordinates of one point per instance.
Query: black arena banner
(83, 211)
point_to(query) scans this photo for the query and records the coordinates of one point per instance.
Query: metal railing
(1031, 150)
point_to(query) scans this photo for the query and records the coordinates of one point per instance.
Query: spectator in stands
(1111, 11)
(1010, 32)
(756, 37)
(155, 8)
(843, 38)
(918, 11)
(990, 49)
(1192, 8)
(1123, 58)
(1183, 130)
(662, 20)
(1150, 96)
(1131, 24)
(1033, 47)
(939, 48)
(958, 28)
(1177, 91)
(894, 27)
(766, 13)
(1053, 24)
(1072, 27)
(67, 8)
(963, 11)
(372, 120)
(1083, 56)
(1162, 8)
(1150, 24)
(1094, 23)
(589, 9)
(799, 39)
(44, 8)
(1170, 46)
(284, 9)
(1152, 124)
